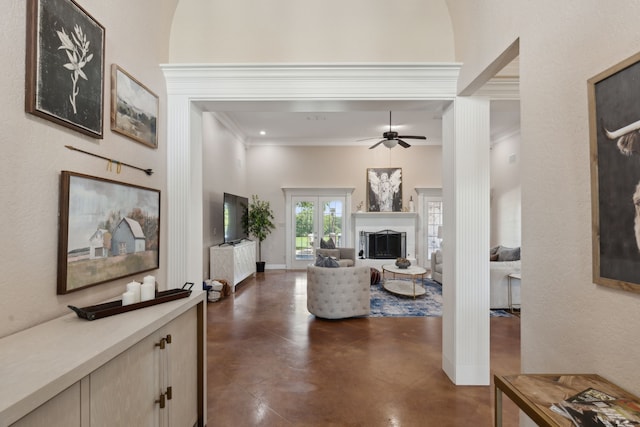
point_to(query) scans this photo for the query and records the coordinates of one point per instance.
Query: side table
(535, 393)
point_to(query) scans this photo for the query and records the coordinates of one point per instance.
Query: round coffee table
(404, 287)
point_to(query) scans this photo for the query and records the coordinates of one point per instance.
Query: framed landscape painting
(614, 130)
(384, 189)
(134, 108)
(65, 65)
(107, 230)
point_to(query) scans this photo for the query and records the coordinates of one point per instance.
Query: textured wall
(34, 154)
(231, 31)
(569, 324)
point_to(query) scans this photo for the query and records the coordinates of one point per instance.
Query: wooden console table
(535, 393)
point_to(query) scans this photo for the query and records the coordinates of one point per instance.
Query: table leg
(510, 300)
(498, 407)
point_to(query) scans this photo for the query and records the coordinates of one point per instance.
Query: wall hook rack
(118, 163)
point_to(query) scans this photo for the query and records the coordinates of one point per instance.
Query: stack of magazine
(594, 408)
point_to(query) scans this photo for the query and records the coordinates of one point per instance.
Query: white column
(184, 188)
(465, 152)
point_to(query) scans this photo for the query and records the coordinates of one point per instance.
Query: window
(434, 223)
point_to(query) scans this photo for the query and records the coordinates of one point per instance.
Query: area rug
(386, 304)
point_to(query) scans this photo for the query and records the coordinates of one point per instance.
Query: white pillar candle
(128, 298)
(135, 288)
(151, 279)
(147, 291)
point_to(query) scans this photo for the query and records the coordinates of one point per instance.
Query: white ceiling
(318, 123)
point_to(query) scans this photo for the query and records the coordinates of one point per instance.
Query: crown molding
(242, 82)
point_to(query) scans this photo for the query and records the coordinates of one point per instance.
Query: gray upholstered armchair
(337, 293)
(346, 257)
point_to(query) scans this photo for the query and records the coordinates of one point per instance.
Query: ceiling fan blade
(367, 139)
(376, 144)
(404, 144)
(412, 137)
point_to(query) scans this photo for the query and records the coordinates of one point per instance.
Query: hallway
(271, 363)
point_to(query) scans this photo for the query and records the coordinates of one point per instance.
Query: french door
(313, 218)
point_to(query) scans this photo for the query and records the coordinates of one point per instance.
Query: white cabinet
(114, 371)
(233, 263)
(62, 410)
(152, 383)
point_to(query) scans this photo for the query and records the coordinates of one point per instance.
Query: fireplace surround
(384, 244)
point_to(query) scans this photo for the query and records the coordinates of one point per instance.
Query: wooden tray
(99, 311)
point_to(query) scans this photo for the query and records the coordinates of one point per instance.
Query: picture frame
(134, 108)
(107, 230)
(614, 133)
(384, 189)
(64, 80)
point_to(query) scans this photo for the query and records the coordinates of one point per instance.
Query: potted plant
(260, 224)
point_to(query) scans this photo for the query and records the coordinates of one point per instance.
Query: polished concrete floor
(271, 363)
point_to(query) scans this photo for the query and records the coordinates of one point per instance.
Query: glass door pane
(305, 228)
(332, 215)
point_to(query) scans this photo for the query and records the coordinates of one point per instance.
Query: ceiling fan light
(390, 143)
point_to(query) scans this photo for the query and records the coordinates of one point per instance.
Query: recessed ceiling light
(262, 132)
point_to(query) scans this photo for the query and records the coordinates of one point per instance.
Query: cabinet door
(124, 390)
(62, 410)
(183, 369)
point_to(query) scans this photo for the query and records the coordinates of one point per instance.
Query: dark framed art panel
(134, 108)
(65, 65)
(384, 189)
(108, 230)
(614, 131)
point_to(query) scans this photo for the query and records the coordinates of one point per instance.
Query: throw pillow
(323, 244)
(334, 253)
(331, 244)
(326, 261)
(493, 257)
(494, 250)
(509, 254)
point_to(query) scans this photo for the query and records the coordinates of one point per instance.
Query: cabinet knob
(169, 393)
(162, 343)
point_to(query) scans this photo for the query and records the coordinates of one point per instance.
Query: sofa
(436, 266)
(338, 293)
(346, 257)
(502, 262)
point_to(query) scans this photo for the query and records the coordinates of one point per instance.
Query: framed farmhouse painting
(65, 65)
(384, 189)
(134, 108)
(614, 128)
(107, 230)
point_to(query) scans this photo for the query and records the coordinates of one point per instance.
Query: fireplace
(385, 244)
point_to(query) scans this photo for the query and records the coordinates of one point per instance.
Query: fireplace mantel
(385, 215)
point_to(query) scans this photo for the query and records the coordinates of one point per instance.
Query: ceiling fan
(391, 138)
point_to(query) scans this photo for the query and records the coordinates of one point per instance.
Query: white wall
(270, 168)
(34, 153)
(239, 31)
(569, 324)
(506, 192)
(224, 170)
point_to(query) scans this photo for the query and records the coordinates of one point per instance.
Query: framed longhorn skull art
(614, 128)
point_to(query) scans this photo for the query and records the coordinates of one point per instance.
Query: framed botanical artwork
(134, 108)
(614, 131)
(384, 189)
(108, 230)
(65, 65)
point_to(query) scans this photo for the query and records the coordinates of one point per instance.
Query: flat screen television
(235, 218)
